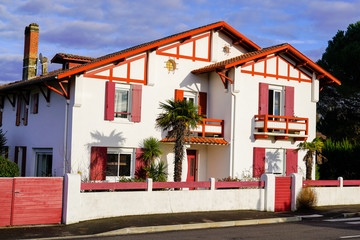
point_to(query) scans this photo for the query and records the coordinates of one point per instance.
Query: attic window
(171, 65)
(226, 49)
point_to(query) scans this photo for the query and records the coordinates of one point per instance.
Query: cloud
(11, 66)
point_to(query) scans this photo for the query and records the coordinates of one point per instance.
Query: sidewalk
(166, 222)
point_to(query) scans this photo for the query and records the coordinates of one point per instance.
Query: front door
(191, 156)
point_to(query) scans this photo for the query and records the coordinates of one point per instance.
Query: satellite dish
(41, 58)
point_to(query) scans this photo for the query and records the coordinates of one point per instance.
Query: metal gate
(28, 201)
(282, 194)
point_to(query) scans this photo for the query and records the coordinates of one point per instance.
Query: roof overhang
(199, 140)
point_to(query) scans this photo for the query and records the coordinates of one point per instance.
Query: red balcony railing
(210, 128)
(281, 127)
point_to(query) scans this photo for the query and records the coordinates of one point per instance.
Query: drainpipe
(233, 111)
(65, 132)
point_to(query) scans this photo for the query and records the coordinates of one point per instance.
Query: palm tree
(151, 150)
(313, 148)
(178, 117)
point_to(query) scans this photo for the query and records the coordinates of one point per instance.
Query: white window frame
(120, 151)
(280, 90)
(124, 87)
(273, 151)
(193, 95)
(43, 151)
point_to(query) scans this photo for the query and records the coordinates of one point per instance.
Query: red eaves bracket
(63, 92)
(223, 77)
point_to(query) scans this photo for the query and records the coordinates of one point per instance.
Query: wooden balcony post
(222, 128)
(265, 122)
(287, 125)
(203, 127)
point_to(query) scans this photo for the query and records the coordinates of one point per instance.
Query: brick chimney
(30, 51)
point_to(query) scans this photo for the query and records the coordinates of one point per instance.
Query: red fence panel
(282, 194)
(37, 201)
(113, 185)
(315, 183)
(158, 185)
(6, 194)
(351, 183)
(244, 184)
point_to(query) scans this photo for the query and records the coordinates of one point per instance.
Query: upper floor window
(191, 97)
(276, 101)
(122, 101)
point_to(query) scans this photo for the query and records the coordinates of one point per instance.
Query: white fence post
(212, 183)
(341, 181)
(296, 186)
(269, 191)
(72, 198)
(149, 184)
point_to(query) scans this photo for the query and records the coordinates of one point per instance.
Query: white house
(92, 115)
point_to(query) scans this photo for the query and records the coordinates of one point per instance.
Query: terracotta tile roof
(59, 74)
(200, 140)
(59, 56)
(284, 48)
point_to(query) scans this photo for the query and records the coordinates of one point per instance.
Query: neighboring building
(92, 115)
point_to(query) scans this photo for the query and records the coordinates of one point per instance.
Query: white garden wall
(94, 205)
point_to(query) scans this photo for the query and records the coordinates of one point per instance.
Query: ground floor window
(275, 160)
(119, 162)
(43, 158)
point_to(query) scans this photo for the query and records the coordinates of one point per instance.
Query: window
(122, 101)
(191, 97)
(21, 112)
(276, 101)
(275, 161)
(43, 162)
(119, 162)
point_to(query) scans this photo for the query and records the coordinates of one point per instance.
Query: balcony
(209, 128)
(281, 127)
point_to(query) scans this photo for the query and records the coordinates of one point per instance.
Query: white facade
(81, 116)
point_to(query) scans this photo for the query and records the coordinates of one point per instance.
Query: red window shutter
(291, 161)
(109, 101)
(139, 164)
(289, 101)
(202, 103)
(16, 155)
(26, 115)
(35, 103)
(259, 162)
(263, 98)
(98, 163)
(18, 109)
(23, 162)
(179, 94)
(136, 103)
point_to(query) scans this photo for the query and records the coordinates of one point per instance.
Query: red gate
(25, 201)
(282, 194)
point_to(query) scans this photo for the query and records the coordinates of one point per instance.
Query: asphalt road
(307, 229)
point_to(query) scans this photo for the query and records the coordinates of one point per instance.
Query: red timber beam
(223, 77)
(63, 92)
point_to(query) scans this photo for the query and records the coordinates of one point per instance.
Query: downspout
(65, 133)
(233, 111)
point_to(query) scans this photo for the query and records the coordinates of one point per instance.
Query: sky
(95, 28)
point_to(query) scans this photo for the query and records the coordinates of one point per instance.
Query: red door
(282, 194)
(191, 156)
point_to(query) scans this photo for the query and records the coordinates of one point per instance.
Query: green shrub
(157, 171)
(8, 168)
(306, 199)
(342, 160)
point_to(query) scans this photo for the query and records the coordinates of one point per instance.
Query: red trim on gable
(128, 78)
(177, 46)
(247, 43)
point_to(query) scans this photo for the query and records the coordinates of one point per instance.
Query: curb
(179, 227)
